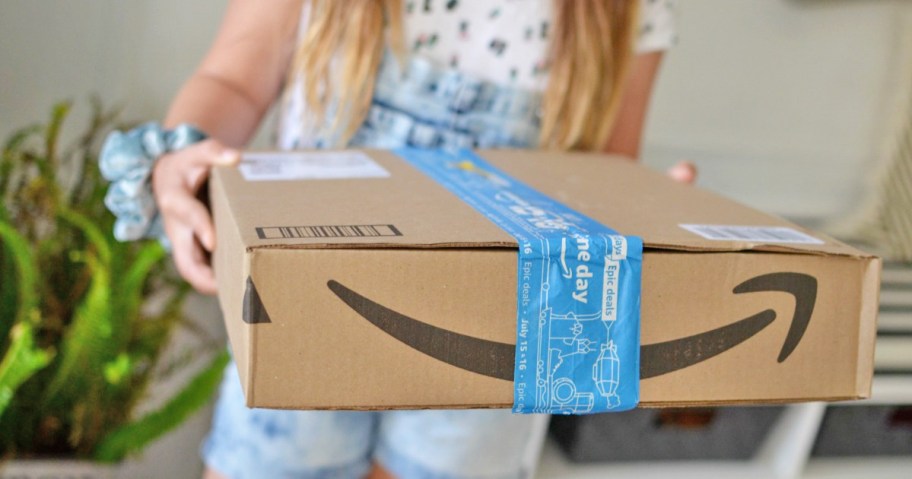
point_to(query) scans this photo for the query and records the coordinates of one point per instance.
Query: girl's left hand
(683, 172)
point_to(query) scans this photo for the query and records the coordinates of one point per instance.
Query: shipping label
(754, 234)
(309, 165)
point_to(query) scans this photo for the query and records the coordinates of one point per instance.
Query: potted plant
(80, 343)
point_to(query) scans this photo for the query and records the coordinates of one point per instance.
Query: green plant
(79, 342)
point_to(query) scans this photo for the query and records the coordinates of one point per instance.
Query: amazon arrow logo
(663, 358)
(495, 359)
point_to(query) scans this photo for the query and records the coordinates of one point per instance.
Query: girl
(564, 74)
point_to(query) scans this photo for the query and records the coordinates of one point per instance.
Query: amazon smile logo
(496, 359)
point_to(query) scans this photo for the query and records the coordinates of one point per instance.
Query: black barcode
(768, 234)
(327, 231)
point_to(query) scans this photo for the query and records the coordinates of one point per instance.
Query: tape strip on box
(578, 290)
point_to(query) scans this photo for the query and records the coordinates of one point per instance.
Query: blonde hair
(590, 51)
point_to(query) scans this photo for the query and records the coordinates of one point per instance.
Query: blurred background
(764, 95)
(791, 106)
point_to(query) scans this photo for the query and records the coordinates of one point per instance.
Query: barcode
(767, 234)
(328, 231)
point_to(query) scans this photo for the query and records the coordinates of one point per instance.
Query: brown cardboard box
(304, 266)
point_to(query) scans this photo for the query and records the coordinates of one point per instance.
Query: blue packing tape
(578, 293)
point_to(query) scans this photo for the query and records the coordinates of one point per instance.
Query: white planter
(176, 455)
(57, 469)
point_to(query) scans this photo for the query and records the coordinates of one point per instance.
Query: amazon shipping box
(351, 280)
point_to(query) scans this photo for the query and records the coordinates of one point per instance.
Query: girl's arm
(628, 127)
(226, 97)
(243, 72)
(628, 130)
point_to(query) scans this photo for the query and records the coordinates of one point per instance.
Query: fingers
(192, 262)
(683, 172)
(191, 213)
(189, 226)
(207, 154)
(193, 265)
(196, 161)
(175, 180)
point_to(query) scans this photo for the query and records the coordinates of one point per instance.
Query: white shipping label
(328, 165)
(759, 234)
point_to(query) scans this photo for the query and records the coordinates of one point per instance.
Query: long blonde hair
(590, 51)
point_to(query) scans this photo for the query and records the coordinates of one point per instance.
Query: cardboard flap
(404, 209)
(407, 209)
(642, 202)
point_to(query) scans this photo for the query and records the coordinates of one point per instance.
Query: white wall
(134, 53)
(785, 104)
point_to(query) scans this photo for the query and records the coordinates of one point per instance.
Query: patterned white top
(506, 41)
(479, 46)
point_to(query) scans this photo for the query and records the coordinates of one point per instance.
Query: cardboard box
(318, 276)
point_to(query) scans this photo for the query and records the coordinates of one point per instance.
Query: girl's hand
(683, 172)
(176, 180)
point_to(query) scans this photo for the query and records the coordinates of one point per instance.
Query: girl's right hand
(683, 172)
(176, 180)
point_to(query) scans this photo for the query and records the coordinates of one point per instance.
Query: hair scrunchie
(126, 160)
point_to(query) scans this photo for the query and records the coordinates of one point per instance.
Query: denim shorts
(439, 444)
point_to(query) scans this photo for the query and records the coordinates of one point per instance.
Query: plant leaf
(26, 267)
(115, 371)
(15, 141)
(88, 332)
(52, 135)
(21, 361)
(96, 237)
(91, 327)
(12, 152)
(136, 435)
(9, 292)
(148, 257)
(130, 289)
(8, 297)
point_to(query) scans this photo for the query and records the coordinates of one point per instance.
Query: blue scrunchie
(126, 161)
